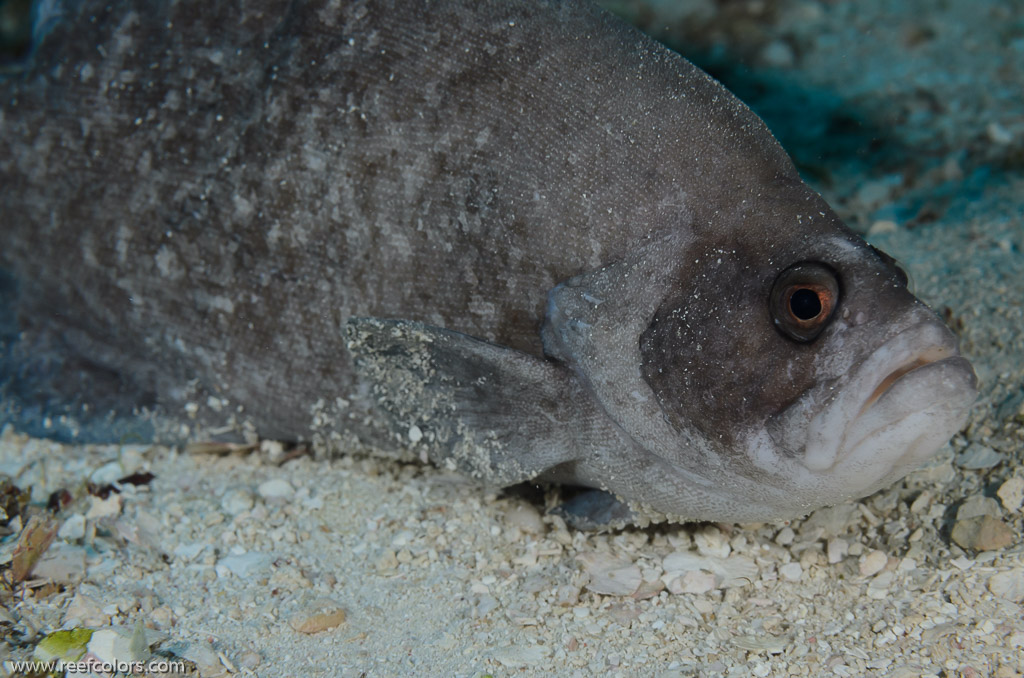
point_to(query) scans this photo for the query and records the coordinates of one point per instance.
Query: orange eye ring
(803, 300)
(808, 303)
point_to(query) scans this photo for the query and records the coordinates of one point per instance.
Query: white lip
(927, 357)
(915, 381)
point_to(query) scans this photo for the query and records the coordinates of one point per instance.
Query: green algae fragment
(65, 645)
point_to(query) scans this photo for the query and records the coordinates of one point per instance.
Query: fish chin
(901, 405)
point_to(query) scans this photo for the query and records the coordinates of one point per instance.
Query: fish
(515, 238)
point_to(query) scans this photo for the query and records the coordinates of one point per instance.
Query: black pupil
(805, 304)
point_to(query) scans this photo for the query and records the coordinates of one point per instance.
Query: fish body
(516, 238)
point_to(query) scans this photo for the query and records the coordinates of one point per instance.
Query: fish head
(782, 368)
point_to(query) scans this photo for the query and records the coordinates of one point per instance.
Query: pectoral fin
(497, 414)
(595, 510)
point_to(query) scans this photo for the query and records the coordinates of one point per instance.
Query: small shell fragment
(322, 616)
(1008, 585)
(610, 575)
(873, 563)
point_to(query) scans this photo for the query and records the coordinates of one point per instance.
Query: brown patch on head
(722, 353)
(711, 354)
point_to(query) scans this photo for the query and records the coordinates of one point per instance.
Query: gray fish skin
(516, 238)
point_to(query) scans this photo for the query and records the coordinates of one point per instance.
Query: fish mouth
(904, 401)
(930, 356)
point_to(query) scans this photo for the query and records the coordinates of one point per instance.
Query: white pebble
(102, 508)
(205, 658)
(1011, 493)
(403, 538)
(278, 488)
(243, 565)
(61, 563)
(998, 134)
(695, 581)
(237, 501)
(878, 589)
(526, 518)
(978, 506)
(791, 571)
(521, 655)
(873, 563)
(73, 528)
(978, 456)
(415, 434)
(837, 550)
(711, 542)
(610, 575)
(785, 536)
(883, 226)
(108, 473)
(1008, 585)
(273, 449)
(117, 646)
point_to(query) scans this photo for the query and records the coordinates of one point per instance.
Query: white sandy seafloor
(235, 559)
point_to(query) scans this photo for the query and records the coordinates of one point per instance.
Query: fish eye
(803, 299)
